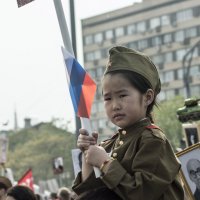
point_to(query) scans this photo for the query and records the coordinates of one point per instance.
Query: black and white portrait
(193, 169)
(190, 161)
(58, 165)
(191, 132)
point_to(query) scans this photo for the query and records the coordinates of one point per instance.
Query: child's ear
(149, 96)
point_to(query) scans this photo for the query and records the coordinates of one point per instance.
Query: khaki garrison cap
(122, 58)
(5, 181)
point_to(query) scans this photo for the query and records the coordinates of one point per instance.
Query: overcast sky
(32, 74)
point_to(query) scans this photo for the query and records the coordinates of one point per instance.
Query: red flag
(27, 179)
(23, 2)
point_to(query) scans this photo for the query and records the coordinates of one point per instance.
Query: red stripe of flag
(81, 86)
(87, 97)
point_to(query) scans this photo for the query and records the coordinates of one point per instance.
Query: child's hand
(84, 140)
(96, 155)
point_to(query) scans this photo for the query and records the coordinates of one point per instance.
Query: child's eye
(107, 99)
(122, 95)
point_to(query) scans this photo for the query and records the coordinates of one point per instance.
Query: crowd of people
(22, 192)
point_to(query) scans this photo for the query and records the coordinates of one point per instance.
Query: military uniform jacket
(144, 166)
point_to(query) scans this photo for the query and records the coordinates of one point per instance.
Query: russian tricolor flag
(81, 86)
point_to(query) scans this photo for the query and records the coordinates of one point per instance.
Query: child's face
(123, 103)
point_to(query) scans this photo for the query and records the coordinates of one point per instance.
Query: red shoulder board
(152, 126)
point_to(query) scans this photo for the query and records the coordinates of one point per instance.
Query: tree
(165, 117)
(36, 147)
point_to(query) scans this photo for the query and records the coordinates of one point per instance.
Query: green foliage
(166, 119)
(36, 147)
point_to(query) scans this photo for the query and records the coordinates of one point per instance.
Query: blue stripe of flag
(77, 76)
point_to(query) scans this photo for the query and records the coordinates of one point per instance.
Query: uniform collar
(136, 127)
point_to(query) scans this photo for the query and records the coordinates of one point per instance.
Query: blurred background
(37, 121)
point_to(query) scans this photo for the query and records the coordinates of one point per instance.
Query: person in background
(53, 196)
(193, 168)
(64, 194)
(20, 192)
(138, 162)
(5, 184)
(38, 197)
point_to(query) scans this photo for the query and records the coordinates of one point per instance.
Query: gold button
(121, 142)
(114, 155)
(124, 132)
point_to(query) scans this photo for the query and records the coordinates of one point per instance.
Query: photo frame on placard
(57, 163)
(192, 133)
(190, 170)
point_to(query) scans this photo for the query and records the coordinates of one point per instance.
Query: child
(138, 162)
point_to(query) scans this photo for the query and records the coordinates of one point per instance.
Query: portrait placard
(192, 133)
(58, 165)
(190, 170)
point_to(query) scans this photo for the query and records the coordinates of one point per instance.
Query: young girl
(137, 162)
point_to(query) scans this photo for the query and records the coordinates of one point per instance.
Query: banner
(21, 3)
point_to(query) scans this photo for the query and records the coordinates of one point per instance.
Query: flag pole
(63, 26)
(68, 46)
(66, 38)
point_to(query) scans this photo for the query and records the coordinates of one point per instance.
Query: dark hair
(38, 197)
(3, 186)
(64, 193)
(141, 84)
(20, 192)
(53, 195)
(5, 183)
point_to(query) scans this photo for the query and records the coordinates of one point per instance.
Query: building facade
(166, 30)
